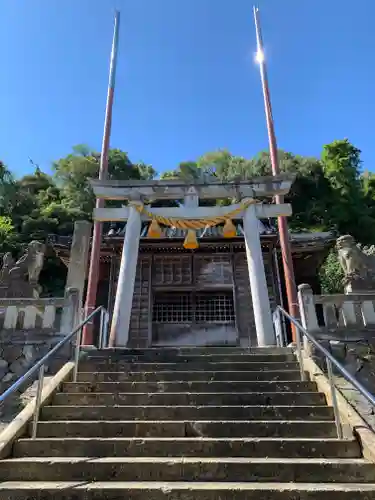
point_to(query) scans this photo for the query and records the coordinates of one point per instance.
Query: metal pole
(335, 405)
(77, 351)
(93, 279)
(38, 400)
(111, 290)
(280, 327)
(281, 298)
(300, 355)
(286, 252)
(106, 330)
(101, 330)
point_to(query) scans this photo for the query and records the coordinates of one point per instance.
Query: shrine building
(194, 274)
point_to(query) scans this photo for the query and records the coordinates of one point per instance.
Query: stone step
(187, 447)
(183, 491)
(187, 412)
(166, 387)
(170, 428)
(115, 352)
(244, 356)
(222, 355)
(193, 358)
(125, 366)
(202, 376)
(190, 398)
(187, 469)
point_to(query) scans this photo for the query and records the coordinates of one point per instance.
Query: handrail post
(299, 354)
(38, 401)
(276, 317)
(334, 399)
(77, 351)
(101, 329)
(307, 310)
(106, 329)
(281, 319)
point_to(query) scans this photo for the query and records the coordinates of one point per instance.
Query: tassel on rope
(229, 229)
(154, 230)
(191, 241)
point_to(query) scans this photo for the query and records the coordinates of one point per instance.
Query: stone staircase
(187, 424)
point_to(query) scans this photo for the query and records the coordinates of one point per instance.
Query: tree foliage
(331, 274)
(37, 204)
(330, 193)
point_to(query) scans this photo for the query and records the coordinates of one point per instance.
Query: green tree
(227, 167)
(329, 193)
(7, 189)
(187, 171)
(8, 235)
(73, 172)
(34, 192)
(331, 274)
(348, 209)
(310, 193)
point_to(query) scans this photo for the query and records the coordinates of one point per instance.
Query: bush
(331, 274)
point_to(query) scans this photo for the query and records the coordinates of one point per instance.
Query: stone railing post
(307, 307)
(309, 318)
(70, 313)
(79, 258)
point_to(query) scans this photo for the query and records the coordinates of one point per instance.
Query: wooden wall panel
(140, 317)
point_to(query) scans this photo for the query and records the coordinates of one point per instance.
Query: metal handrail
(40, 365)
(330, 360)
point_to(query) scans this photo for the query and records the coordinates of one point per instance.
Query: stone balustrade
(42, 314)
(345, 325)
(29, 328)
(30, 313)
(339, 316)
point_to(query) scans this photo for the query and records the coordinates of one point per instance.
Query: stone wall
(29, 329)
(358, 358)
(19, 351)
(345, 325)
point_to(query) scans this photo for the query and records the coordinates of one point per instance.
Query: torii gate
(250, 209)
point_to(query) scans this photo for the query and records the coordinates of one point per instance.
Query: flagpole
(93, 278)
(285, 246)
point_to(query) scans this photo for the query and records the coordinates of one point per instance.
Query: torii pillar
(120, 325)
(257, 278)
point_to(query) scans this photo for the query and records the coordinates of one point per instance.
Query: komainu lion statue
(356, 264)
(20, 279)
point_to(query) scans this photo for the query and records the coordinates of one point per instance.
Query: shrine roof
(113, 238)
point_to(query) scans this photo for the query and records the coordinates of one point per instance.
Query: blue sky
(186, 79)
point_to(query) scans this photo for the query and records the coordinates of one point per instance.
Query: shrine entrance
(193, 300)
(193, 292)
